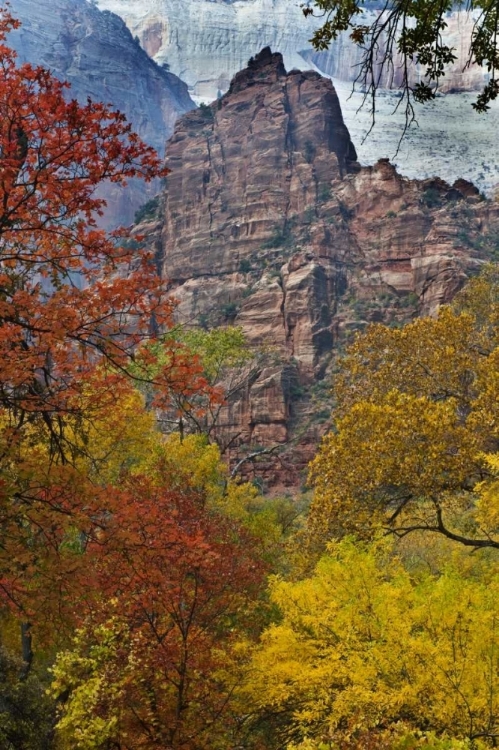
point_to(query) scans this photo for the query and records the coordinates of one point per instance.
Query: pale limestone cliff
(343, 60)
(269, 222)
(97, 54)
(206, 41)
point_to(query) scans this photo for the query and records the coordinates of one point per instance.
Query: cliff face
(207, 41)
(269, 222)
(235, 177)
(342, 61)
(97, 54)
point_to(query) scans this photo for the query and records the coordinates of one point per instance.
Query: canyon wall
(98, 55)
(269, 222)
(206, 42)
(343, 60)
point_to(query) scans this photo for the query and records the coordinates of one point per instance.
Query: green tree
(27, 713)
(227, 365)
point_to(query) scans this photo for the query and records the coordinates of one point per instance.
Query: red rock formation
(267, 221)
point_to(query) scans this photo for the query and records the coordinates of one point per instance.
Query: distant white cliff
(206, 42)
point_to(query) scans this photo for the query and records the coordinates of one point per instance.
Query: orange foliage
(70, 296)
(173, 589)
(76, 306)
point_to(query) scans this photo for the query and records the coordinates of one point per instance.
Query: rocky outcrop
(97, 54)
(206, 42)
(233, 163)
(269, 222)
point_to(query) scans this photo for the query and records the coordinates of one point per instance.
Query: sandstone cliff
(269, 222)
(207, 41)
(97, 54)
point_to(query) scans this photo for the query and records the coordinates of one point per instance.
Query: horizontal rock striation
(268, 221)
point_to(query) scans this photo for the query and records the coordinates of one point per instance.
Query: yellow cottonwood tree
(365, 654)
(418, 408)
(487, 507)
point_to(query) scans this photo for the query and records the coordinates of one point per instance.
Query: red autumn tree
(70, 296)
(156, 662)
(76, 305)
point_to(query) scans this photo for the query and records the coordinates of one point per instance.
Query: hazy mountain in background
(97, 54)
(206, 42)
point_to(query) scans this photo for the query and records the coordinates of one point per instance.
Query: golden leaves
(362, 646)
(417, 409)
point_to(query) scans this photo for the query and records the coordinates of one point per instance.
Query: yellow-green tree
(227, 365)
(365, 654)
(417, 412)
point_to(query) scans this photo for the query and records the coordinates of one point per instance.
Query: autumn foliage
(76, 309)
(417, 416)
(136, 566)
(96, 530)
(371, 653)
(156, 659)
(71, 297)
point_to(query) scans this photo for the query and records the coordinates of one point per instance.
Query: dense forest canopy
(149, 599)
(417, 426)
